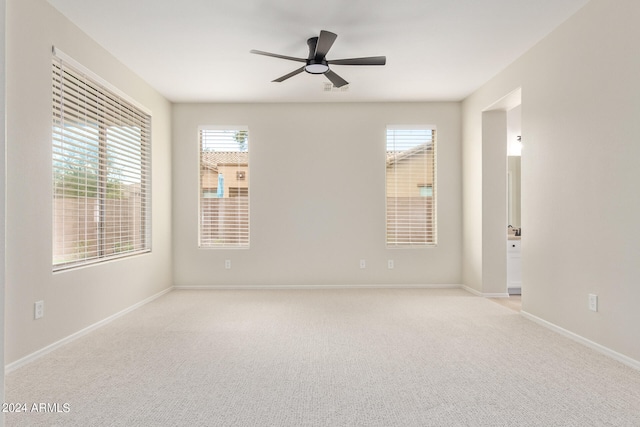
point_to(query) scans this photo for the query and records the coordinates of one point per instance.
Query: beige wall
(494, 202)
(2, 194)
(73, 300)
(580, 209)
(317, 198)
(209, 179)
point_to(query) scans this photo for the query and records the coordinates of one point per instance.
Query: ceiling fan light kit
(316, 68)
(317, 62)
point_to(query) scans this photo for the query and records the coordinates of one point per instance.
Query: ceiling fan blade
(335, 79)
(291, 74)
(325, 41)
(275, 55)
(370, 60)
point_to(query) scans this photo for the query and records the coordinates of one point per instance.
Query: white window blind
(101, 169)
(411, 186)
(224, 187)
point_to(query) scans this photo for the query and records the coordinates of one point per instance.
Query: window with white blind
(224, 187)
(411, 186)
(101, 168)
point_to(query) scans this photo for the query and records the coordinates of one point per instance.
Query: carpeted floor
(365, 357)
(514, 302)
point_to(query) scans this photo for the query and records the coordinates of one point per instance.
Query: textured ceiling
(198, 50)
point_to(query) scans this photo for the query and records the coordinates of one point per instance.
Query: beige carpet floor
(514, 302)
(365, 357)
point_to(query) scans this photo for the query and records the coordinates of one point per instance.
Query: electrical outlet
(363, 263)
(38, 309)
(593, 302)
(227, 264)
(390, 264)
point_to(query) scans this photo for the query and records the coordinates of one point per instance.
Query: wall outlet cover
(38, 309)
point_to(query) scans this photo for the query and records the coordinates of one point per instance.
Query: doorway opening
(514, 218)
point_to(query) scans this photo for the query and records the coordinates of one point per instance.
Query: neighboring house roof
(396, 156)
(211, 159)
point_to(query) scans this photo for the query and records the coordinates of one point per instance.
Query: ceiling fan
(317, 62)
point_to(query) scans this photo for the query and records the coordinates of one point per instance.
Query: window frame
(118, 123)
(235, 200)
(428, 238)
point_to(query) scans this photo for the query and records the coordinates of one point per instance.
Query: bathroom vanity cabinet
(514, 266)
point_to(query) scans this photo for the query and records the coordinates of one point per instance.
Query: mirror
(513, 183)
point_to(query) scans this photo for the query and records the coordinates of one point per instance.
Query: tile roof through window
(396, 156)
(211, 159)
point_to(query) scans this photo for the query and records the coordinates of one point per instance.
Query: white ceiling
(198, 50)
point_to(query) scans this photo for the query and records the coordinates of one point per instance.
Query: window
(426, 190)
(224, 187)
(238, 192)
(101, 169)
(411, 186)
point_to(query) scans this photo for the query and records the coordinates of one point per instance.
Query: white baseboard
(582, 340)
(299, 287)
(486, 294)
(39, 353)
